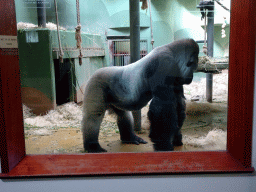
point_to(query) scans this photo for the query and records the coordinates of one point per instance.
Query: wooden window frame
(236, 158)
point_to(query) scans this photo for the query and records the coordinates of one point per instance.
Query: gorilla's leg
(125, 124)
(91, 128)
(163, 123)
(137, 120)
(181, 112)
(177, 140)
(94, 108)
(161, 137)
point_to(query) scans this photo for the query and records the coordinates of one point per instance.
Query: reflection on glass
(52, 91)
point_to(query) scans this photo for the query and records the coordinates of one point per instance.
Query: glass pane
(53, 88)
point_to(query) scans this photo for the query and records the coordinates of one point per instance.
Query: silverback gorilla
(159, 75)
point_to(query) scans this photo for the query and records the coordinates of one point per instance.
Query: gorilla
(159, 75)
(166, 115)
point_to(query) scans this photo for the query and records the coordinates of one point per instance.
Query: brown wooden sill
(126, 164)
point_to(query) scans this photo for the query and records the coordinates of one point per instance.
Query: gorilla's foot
(94, 147)
(177, 141)
(134, 140)
(163, 146)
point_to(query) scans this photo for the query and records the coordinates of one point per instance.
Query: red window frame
(237, 158)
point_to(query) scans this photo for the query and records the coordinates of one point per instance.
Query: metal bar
(78, 12)
(210, 40)
(72, 53)
(122, 45)
(200, 41)
(41, 13)
(151, 25)
(58, 32)
(137, 120)
(210, 32)
(135, 46)
(117, 37)
(209, 79)
(134, 30)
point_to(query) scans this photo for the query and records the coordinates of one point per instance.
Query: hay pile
(198, 89)
(214, 140)
(64, 116)
(49, 25)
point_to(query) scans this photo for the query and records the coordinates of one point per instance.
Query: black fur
(167, 114)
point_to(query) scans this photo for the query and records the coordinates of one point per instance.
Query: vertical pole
(210, 40)
(41, 13)
(151, 25)
(78, 12)
(135, 47)
(134, 30)
(209, 79)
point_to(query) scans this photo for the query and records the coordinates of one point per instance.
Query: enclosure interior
(53, 91)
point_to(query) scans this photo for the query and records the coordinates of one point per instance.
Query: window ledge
(123, 164)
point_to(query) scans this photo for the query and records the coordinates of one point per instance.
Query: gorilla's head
(185, 53)
(173, 63)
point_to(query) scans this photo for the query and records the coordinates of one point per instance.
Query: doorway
(64, 81)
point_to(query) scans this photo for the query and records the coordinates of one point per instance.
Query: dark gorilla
(129, 88)
(167, 114)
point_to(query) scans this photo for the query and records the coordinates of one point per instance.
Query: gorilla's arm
(163, 119)
(166, 115)
(181, 112)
